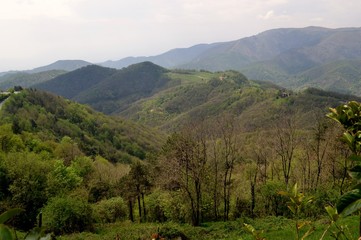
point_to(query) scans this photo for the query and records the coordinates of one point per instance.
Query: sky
(34, 33)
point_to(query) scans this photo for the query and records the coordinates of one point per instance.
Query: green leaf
(5, 233)
(302, 224)
(355, 172)
(295, 190)
(332, 213)
(349, 139)
(249, 228)
(47, 237)
(4, 217)
(293, 210)
(349, 202)
(37, 234)
(308, 233)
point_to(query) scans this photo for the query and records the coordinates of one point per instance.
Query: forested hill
(48, 119)
(109, 90)
(71, 84)
(25, 79)
(284, 56)
(168, 99)
(255, 105)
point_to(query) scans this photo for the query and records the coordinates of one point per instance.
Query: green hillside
(124, 87)
(167, 99)
(51, 147)
(228, 146)
(109, 90)
(204, 95)
(340, 76)
(72, 83)
(27, 79)
(52, 118)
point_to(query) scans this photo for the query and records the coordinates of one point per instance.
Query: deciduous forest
(246, 160)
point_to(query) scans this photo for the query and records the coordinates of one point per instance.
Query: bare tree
(185, 159)
(285, 143)
(228, 154)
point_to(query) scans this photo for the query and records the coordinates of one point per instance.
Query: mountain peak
(66, 65)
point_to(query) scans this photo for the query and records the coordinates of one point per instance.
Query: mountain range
(295, 58)
(287, 56)
(168, 99)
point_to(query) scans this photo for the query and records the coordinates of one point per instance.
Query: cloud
(271, 15)
(30, 9)
(268, 15)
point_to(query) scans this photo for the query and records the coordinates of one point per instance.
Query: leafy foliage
(110, 210)
(67, 215)
(89, 132)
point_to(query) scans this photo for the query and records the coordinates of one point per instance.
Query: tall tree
(285, 143)
(228, 154)
(185, 159)
(319, 146)
(139, 179)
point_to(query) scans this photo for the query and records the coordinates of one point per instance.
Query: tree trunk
(131, 217)
(139, 208)
(144, 210)
(253, 197)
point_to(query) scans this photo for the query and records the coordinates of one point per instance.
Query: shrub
(166, 206)
(67, 215)
(110, 210)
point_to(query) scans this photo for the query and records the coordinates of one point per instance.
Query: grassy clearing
(193, 76)
(272, 227)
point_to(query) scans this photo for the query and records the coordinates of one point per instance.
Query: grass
(272, 227)
(193, 76)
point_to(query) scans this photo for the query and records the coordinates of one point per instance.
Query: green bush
(166, 206)
(67, 215)
(110, 210)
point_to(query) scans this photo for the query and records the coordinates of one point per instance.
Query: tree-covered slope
(52, 118)
(109, 90)
(168, 99)
(124, 87)
(341, 76)
(27, 79)
(71, 84)
(277, 55)
(205, 95)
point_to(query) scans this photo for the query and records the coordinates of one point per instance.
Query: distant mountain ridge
(321, 44)
(38, 75)
(66, 65)
(282, 56)
(169, 59)
(25, 79)
(290, 57)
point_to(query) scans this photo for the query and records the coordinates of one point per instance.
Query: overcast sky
(39, 32)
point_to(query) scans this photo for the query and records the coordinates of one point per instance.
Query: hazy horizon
(40, 32)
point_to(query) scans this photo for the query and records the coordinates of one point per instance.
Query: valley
(241, 139)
